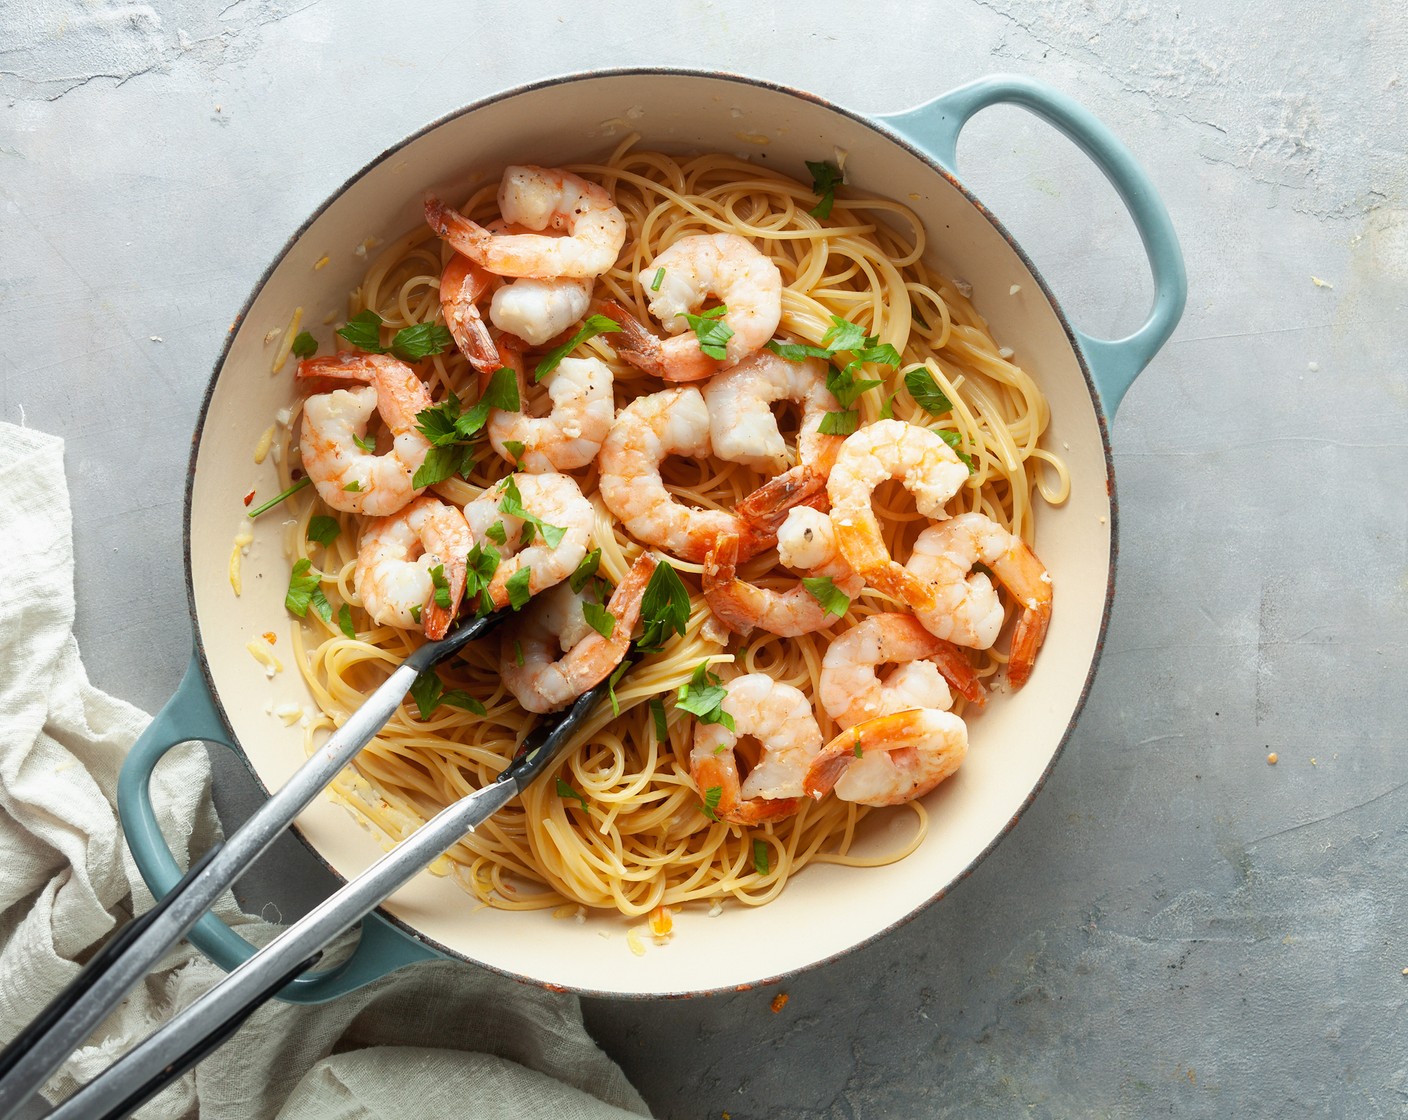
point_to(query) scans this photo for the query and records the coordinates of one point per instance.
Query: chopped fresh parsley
(664, 608)
(845, 335)
(525, 535)
(441, 463)
(363, 331)
(321, 607)
(512, 506)
(272, 502)
(659, 279)
(304, 345)
(796, 351)
(703, 697)
(344, 621)
(599, 619)
(760, 856)
(858, 750)
(517, 587)
(497, 533)
(302, 582)
(366, 444)
(411, 344)
(825, 592)
(611, 686)
(826, 177)
(585, 570)
(955, 441)
(712, 797)
(441, 585)
(926, 392)
(662, 725)
(480, 566)
(516, 448)
(518, 652)
(711, 331)
(415, 613)
(450, 428)
(566, 792)
(353, 487)
(887, 410)
(429, 692)
(592, 326)
(839, 423)
(420, 341)
(844, 386)
(322, 530)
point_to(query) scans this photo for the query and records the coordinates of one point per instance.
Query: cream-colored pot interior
(825, 910)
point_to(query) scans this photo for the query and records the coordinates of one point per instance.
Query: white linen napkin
(436, 1040)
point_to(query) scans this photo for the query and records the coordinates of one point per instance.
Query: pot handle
(1114, 363)
(191, 714)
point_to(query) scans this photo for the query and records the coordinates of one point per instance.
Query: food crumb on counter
(1314, 762)
(1272, 759)
(157, 338)
(1320, 283)
(779, 1001)
(1314, 367)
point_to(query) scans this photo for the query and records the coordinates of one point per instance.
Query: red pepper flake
(270, 637)
(779, 1001)
(295, 474)
(249, 497)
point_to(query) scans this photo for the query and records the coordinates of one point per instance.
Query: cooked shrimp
(554, 499)
(890, 759)
(851, 690)
(742, 606)
(347, 477)
(741, 423)
(394, 562)
(540, 198)
(562, 655)
(929, 470)
(572, 433)
(671, 422)
(536, 309)
(779, 719)
(724, 265)
(462, 285)
(964, 608)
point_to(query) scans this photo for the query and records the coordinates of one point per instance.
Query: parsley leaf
(711, 331)
(703, 697)
(272, 502)
(887, 410)
(441, 585)
(839, 423)
(826, 177)
(426, 691)
(518, 652)
(796, 351)
(566, 792)
(304, 345)
(662, 725)
(611, 686)
(926, 392)
(321, 607)
(592, 326)
(955, 441)
(480, 566)
(322, 530)
(437, 423)
(845, 335)
(512, 506)
(599, 619)
(501, 393)
(421, 340)
(760, 856)
(302, 582)
(459, 698)
(497, 533)
(664, 608)
(659, 279)
(859, 751)
(844, 386)
(415, 613)
(585, 570)
(344, 621)
(443, 462)
(825, 592)
(516, 448)
(517, 588)
(366, 444)
(712, 796)
(363, 331)
(353, 487)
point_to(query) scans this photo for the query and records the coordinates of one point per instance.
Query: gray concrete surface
(1175, 927)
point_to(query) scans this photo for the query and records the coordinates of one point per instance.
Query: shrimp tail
(437, 619)
(1030, 632)
(766, 508)
(728, 597)
(825, 771)
(461, 234)
(462, 284)
(958, 671)
(635, 344)
(349, 365)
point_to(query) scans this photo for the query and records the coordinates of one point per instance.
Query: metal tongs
(28, 1062)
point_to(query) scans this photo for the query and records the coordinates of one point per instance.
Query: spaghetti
(619, 825)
